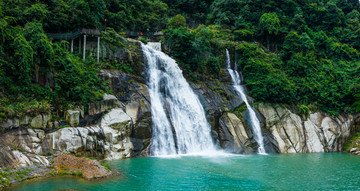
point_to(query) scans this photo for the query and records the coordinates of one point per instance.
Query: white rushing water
(179, 122)
(253, 120)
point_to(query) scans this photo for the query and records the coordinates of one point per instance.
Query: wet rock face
(216, 98)
(233, 135)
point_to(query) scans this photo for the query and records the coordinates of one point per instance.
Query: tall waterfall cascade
(253, 120)
(179, 121)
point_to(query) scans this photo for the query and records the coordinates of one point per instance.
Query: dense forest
(304, 53)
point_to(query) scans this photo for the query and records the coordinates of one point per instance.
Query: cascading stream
(179, 122)
(253, 120)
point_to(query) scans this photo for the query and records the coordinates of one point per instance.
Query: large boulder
(22, 147)
(117, 129)
(72, 117)
(81, 141)
(40, 121)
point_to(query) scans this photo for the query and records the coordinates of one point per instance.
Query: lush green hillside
(306, 52)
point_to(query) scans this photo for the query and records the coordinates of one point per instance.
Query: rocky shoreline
(62, 165)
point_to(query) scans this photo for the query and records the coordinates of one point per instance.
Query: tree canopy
(299, 52)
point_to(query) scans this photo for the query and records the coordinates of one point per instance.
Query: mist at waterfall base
(253, 120)
(317, 171)
(179, 121)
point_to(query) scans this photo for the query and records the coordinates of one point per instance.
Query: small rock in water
(353, 150)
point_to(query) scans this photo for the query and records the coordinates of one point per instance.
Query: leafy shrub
(357, 103)
(77, 173)
(213, 65)
(25, 107)
(112, 38)
(78, 82)
(304, 111)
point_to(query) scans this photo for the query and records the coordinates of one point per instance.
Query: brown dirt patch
(90, 169)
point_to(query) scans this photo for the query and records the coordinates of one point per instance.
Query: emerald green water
(327, 171)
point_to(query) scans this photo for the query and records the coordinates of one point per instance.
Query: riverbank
(353, 145)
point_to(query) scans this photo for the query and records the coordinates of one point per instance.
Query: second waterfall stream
(253, 120)
(178, 118)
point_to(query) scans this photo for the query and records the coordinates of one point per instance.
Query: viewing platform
(95, 33)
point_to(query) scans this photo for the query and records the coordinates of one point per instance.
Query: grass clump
(106, 165)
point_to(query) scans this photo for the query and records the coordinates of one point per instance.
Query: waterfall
(155, 45)
(179, 122)
(253, 120)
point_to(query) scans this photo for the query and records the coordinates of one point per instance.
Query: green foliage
(180, 41)
(4, 179)
(195, 11)
(312, 55)
(69, 15)
(239, 110)
(244, 34)
(77, 173)
(197, 49)
(43, 51)
(136, 15)
(24, 107)
(301, 79)
(357, 103)
(304, 111)
(22, 60)
(112, 38)
(26, 54)
(224, 12)
(36, 12)
(270, 23)
(353, 142)
(264, 78)
(78, 81)
(6, 176)
(297, 43)
(143, 40)
(316, 46)
(213, 65)
(177, 21)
